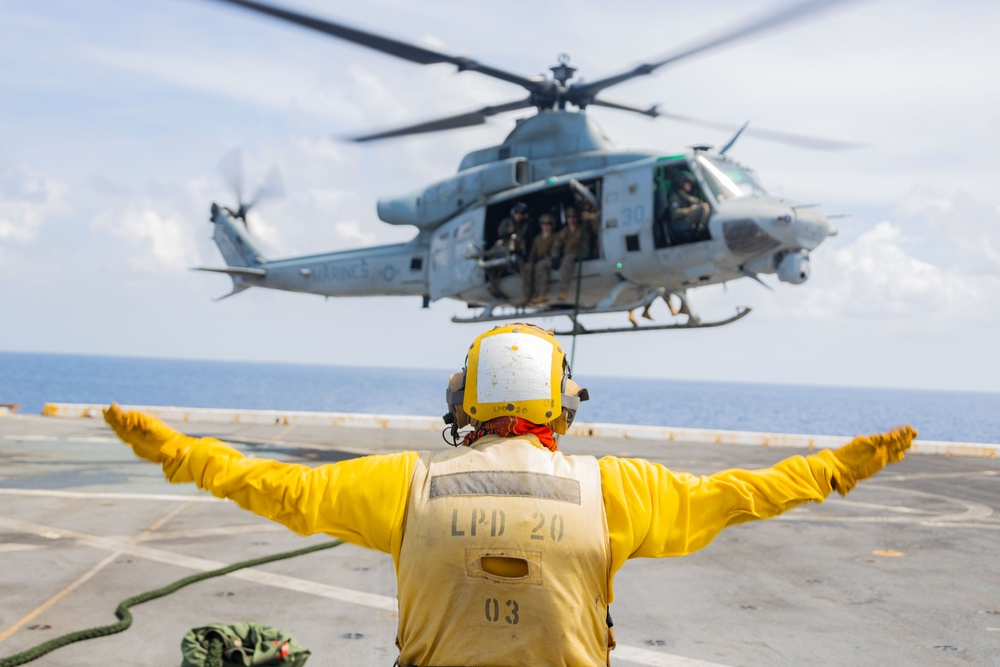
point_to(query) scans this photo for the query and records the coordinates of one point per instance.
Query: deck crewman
(505, 548)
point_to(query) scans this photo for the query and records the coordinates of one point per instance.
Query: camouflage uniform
(535, 274)
(574, 244)
(687, 211)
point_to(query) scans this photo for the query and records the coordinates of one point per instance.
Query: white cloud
(163, 227)
(885, 281)
(352, 232)
(319, 151)
(331, 199)
(968, 230)
(878, 278)
(27, 198)
(356, 96)
(262, 83)
(157, 242)
(267, 234)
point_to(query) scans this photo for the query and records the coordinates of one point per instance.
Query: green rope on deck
(126, 618)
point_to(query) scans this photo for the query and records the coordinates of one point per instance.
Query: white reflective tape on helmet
(515, 370)
(514, 367)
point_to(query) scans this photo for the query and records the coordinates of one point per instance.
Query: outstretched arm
(653, 512)
(359, 500)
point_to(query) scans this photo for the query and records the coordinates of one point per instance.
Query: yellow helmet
(520, 370)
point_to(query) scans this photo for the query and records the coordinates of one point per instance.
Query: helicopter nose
(810, 226)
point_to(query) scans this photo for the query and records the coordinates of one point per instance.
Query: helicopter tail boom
(233, 241)
(244, 263)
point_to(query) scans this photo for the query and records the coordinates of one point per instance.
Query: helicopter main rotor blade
(760, 133)
(392, 47)
(801, 140)
(583, 94)
(652, 112)
(477, 117)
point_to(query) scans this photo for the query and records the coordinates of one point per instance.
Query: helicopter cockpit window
(727, 179)
(680, 206)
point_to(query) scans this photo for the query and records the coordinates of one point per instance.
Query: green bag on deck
(241, 644)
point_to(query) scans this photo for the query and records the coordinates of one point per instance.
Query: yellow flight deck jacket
(650, 511)
(511, 540)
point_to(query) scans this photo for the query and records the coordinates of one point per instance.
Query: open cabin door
(627, 210)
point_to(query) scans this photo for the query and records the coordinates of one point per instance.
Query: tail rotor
(232, 170)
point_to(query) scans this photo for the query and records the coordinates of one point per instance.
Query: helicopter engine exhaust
(793, 267)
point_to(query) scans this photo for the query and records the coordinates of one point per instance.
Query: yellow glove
(866, 455)
(149, 437)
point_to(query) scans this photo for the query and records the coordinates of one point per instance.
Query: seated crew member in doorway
(510, 244)
(475, 585)
(538, 265)
(688, 210)
(573, 248)
(513, 229)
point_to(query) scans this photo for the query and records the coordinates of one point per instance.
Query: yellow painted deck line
(87, 576)
(373, 600)
(118, 547)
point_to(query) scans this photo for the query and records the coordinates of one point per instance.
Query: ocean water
(34, 379)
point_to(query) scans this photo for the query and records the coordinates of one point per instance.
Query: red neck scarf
(508, 427)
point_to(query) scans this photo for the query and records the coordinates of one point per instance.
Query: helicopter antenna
(562, 72)
(729, 144)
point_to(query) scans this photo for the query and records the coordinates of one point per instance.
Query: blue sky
(113, 117)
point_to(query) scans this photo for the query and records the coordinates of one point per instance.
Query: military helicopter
(641, 247)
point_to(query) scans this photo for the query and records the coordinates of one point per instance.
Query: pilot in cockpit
(688, 211)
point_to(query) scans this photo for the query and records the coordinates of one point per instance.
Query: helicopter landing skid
(579, 330)
(609, 304)
(488, 315)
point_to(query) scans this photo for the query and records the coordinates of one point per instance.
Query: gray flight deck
(905, 571)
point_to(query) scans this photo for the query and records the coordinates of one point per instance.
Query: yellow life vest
(505, 559)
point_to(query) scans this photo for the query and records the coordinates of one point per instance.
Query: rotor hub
(563, 72)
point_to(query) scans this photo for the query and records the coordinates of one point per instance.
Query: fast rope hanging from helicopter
(576, 310)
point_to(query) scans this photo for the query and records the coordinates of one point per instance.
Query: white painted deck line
(663, 434)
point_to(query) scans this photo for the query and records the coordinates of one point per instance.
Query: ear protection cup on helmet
(455, 395)
(572, 395)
